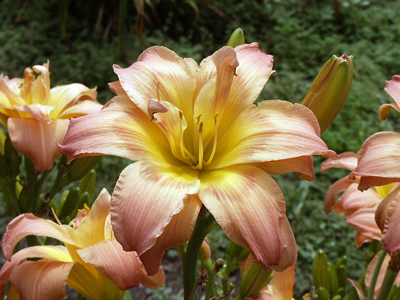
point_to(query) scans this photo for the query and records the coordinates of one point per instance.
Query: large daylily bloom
(379, 155)
(358, 207)
(91, 260)
(37, 117)
(199, 140)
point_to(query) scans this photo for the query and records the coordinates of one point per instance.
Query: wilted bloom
(37, 117)
(199, 140)
(91, 260)
(330, 89)
(358, 207)
(379, 155)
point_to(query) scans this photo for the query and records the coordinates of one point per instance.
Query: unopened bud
(330, 90)
(255, 280)
(320, 271)
(236, 39)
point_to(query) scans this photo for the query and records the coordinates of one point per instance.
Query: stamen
(198, 119)
(201, 150)
(55, 216)
(234, 72)
(154, 106)
(215, 141)
(86, 208)
(184, 152)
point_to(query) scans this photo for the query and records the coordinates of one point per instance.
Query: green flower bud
(2, 141)
(330, 90)
(320, 271)
(236, 39)
(88, 183)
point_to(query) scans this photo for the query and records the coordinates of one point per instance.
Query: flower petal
(346, 160)
(159, 71)
(38, 141)
(379, 160)
(120, 129)
(145, 190)
(123, 268)
(177, 232)
(364, 220)
(6, 89)
(334, 191)
(393, 89)
(40, 112)
(82, 108)
(58, 253)
(34, 279)
(249, 206)
(153, 282)
(28, 224)
(276, 130)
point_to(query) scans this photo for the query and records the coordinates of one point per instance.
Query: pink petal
(120, 129)
(38, 141)
(364, 220)
(379, 160)
(159, 68)
(58, 253)
(393, 89)
(177, 232)
(302, 165)
(249, 206)
(34, 279)
(289, 256)
(82, 108)
(145, 190)
(276, 130)
(346, 160)
(335, 190)
(7, 89)
(28, 224)
(153, 282)
(123, 268)
(40, 112)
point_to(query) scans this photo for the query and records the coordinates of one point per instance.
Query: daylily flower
(379, 155)
(199, 140)
(37, 117)
(358, 207)
(91, 260)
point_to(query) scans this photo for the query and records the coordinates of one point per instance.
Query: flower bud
(236, 39)
(320, 271)
(330, 90)
(255, 280)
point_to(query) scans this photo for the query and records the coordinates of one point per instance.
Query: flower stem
(375, 275)
(191, 255)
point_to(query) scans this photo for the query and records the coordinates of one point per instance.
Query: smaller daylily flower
(379, 155)
(358, 207)
(91, 260)
(37, 117)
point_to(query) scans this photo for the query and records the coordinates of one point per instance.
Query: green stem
(192, 254)
(387, 284)
(375, 275)
(10, 197)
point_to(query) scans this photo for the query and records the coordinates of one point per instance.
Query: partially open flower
(91, 260)
(37, 117)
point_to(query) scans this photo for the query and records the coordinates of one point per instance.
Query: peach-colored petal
(302, 165)
(38, 141)
(97, 217)
(379, 160)
(353, 199)
(13, 98)
(28, 224)
(276, 130)
(159, 70)
(35, 279)
(155, 281)
(123, 268)
(289, 256)
(254, 70)
(121, 129)
(40, 112)
(82, 108)
(249, 206)
(335, 190)
(364, 220)
(58, 253)
(389, 210)
(359, 289)
(145, 190)
(177, 232)
(346, 160)
(393, 89)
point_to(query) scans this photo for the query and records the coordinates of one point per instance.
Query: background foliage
(83, 39)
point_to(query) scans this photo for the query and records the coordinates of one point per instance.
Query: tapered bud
(236, 39)
(320, 271)
(255, 280)
(330, 90)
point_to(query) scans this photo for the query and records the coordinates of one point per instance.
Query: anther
(198, 119)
